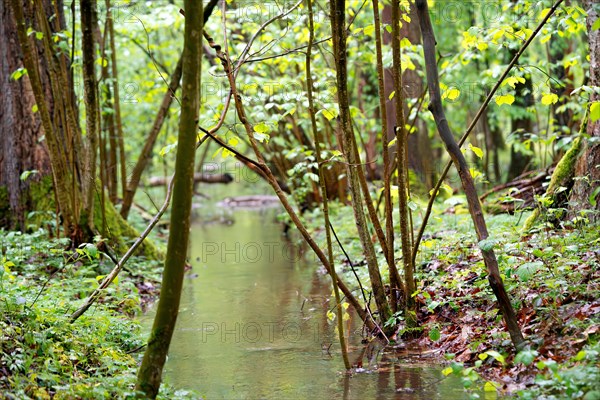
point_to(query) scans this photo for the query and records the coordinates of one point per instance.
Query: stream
(253, 322)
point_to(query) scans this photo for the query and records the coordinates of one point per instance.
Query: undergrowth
(42, 354)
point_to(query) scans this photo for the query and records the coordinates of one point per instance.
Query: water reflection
(253, 324)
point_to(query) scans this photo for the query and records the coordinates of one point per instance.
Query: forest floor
(43, 355)
(552, 276)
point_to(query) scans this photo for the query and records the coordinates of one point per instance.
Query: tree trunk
(89, 22)
(410, 314)
(150, 373)
(585, 194)
(20, 129)
(463, 170)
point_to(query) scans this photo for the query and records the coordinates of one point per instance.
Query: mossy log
(561, 177)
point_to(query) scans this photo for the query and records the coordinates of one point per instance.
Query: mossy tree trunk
(585, 194)
(21, 149)
(150, 373)
(88, 23)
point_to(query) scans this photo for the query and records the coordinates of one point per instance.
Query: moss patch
(120, 234)
(4, 210)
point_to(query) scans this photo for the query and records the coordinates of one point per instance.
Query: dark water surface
(253, 325)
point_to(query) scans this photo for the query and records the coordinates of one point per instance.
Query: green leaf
(15, 76)
(595, 110)
(261, 137)
(34, 108)
(526, 357)
(90, 250)
(549, 98)
(505, 99)
(527, 270)
(167, 149)
(434, 334)
(487, 244)
(392, 142)
(596, 25)
(593, 197)
(478, 152)
(27, 174)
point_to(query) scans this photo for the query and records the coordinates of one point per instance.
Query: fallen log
(519, 193)
(251, 201)
(198, 177)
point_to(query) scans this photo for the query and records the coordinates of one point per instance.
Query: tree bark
(585, 190)
(90, 91)
(150, 373)
(463, 170)
(20, 130)
(60, 170)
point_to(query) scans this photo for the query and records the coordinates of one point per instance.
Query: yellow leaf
(478, 152)
(546, 38)
(261, 128)
(570, 62)
(490, 386)
(475, 173)
(505, 99)
(369, 30)
(595, 111)
(330, 113)
(391, 96)
(513, 80)
(497, 35)
(549, 98)
(447, 371)
(452, 94)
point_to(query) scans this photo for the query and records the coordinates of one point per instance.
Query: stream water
(253, 324)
